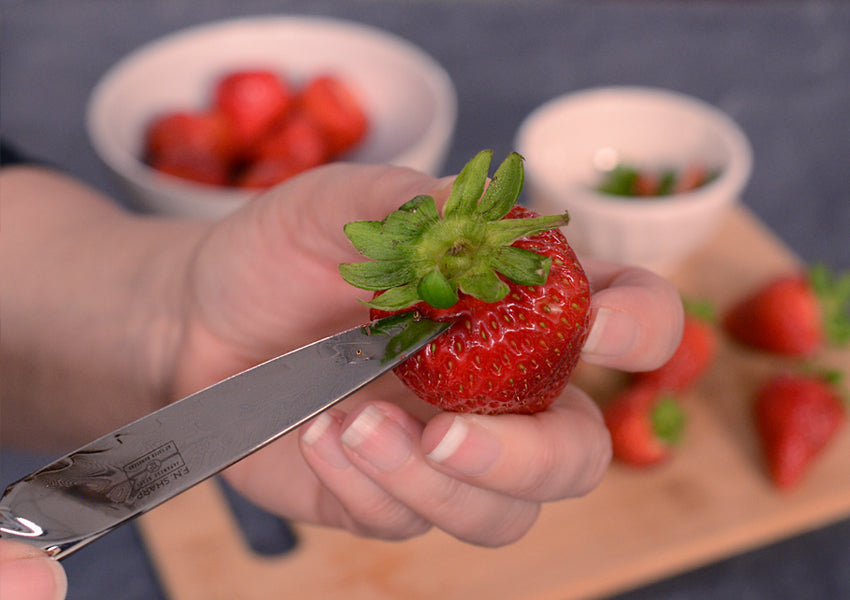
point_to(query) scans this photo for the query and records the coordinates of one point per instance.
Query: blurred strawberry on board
(794, 314)
(796, 416)
(645, 425)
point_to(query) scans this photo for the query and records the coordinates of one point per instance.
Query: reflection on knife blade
(122, 475)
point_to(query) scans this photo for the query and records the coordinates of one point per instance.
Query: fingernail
(613, 333)
(33, 577)
(378, 440)
(466, 447)
(326, 446)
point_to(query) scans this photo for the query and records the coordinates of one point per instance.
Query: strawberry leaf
(521, 266)
(432, 258)
(437, 291)
(504, 189)
(369, 239)
(468, 186)
(484, 284)
(396, 298)
(412, 218)
(377, 275)
(508, 230)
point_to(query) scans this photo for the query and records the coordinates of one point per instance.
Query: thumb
(316, 205)
(28, 574)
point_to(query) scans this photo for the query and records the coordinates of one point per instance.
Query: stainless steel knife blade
(89, 492)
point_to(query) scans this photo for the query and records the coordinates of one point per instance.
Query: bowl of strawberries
(647, 174)
(202, 120)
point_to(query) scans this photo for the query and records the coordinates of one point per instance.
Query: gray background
(781, 69)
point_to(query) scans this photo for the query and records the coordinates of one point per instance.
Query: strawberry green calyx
(668, 420)
(833, 292)
(701, 309)
(418, 255)
(832, 377)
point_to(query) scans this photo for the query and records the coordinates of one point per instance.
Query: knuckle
(537, 480)
(387, 521)
(510, 525)
(595, 469)
(384, 518)
(570, 466)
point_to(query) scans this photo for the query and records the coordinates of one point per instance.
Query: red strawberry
(295, 146)
(691, 178)
(265, 173)
(200, 168)
(794, 314)
(646, 184)
(693, 356)
(296, 140)
(644, 425)
(192, 145)
(337, 112)
(510, 281)
(253, 100)
(796, 417)
(185, 132)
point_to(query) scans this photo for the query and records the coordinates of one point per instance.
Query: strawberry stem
(418, 255)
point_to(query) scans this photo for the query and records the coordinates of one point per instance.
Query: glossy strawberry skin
(783, 317)
(796, 417)
(511, 356)
(693, 357)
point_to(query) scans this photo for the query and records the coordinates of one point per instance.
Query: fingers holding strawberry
(499, 468)
(507, 279)
(520, 299)
(348, 497)
(480, 478)
(382, 442)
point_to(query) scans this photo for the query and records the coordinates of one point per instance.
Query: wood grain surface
(711, 501)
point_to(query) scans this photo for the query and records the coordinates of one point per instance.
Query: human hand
(385, 464)
(28, 574)
(266, 280)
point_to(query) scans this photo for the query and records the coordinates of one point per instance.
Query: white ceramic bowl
(570, 140)
(409, 98)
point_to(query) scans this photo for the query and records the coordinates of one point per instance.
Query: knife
(91, 491)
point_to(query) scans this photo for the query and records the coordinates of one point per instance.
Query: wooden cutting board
(711, 501)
